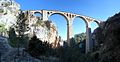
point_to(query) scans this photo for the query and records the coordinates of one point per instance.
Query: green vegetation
(80, 37)
(107, 38)
(38, 48)
(12, 37)
(1, 10)
(40, 23)
(3, 29)
(107, 41)
(71, 54)
(20, 39)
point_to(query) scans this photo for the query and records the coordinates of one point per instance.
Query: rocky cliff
(108, 40)
(9, 13)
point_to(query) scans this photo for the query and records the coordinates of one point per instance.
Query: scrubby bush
(37, 47)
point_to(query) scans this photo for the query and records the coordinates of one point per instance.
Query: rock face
(8, 12)
(97, 38)
(109, 37)
(44, 30)
(9, 54)
(4, 46)
(111, 41)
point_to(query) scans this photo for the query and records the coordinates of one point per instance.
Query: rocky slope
(108, 39)
(9, 54)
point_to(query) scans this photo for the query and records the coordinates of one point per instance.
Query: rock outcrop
(108, 37)
(111, 46)
(4, 46)
(8, 12)
(44, 30)
(9, 54)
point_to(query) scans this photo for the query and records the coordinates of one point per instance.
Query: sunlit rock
(8, 12)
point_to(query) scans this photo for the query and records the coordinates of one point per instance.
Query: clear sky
(98, 9)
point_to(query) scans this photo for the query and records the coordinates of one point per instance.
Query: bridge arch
(61, 22)
(67, 16)
(54, 13)
(94, 24)
(37, 14)
(86, 22)
(97, 22)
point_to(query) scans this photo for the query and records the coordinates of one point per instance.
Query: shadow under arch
(57, 19)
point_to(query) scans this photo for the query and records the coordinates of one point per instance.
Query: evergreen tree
(12, 37)
(37, 47)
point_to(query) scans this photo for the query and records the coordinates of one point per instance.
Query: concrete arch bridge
(45, 14)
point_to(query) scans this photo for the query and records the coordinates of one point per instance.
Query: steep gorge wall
(108, 40)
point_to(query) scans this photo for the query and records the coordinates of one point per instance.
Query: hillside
(108, 40)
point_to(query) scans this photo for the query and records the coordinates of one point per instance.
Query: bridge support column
(44, 15)
(69, 31)
(88, 39)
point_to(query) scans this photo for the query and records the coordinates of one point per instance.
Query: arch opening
(79, 29)
(61, 23)
(37, 14)
(93, 26)
(76, 23)
(97, 22)
(79, 26)
(65, 17)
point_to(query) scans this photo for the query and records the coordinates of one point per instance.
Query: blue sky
(98, 9)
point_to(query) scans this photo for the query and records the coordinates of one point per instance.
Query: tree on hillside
(80, 37)
(3, 29)
(12, 37)
(37, 47)
(17, 34)
(72, 42)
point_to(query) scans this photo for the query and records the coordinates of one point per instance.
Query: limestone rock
(8, 12)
